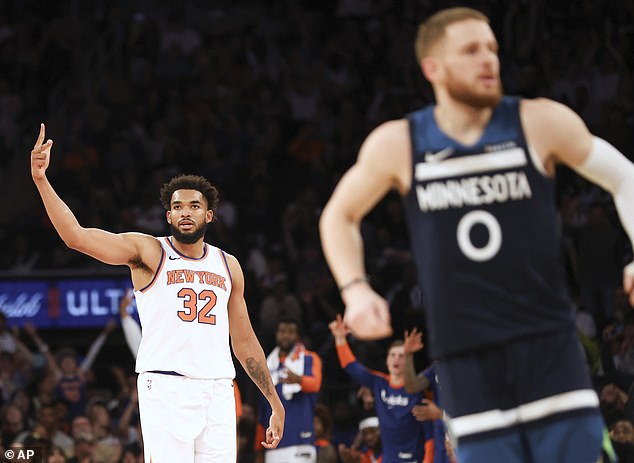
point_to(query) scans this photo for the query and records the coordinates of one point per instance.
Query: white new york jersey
(184, 315)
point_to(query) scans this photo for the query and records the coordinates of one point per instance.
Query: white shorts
(187, 420)
(292, 454)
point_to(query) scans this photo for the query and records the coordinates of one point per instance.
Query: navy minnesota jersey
(485, 234)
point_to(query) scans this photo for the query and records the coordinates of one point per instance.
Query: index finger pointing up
(40, 137)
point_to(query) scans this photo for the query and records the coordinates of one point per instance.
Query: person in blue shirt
(296, 373)
(402, 435)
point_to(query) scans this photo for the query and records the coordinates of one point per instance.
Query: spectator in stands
(296, 373)
(403, 436)
(12, 424)
(71, 377)
(326, 452)
(370, 450)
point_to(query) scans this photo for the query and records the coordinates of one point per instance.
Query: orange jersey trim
(156, 274)
(238, 397)
(385, 376)
(322, 442)
(260, 434)
(312, 383)
(429, 451)
(346, 357)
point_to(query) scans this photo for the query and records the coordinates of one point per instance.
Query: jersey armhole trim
(156, 274)
(224, 259)
(537, 162)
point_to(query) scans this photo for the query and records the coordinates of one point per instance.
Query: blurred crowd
(270, 101)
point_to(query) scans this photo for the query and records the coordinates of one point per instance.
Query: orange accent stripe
(321, 442)
(224, 259)
(312, 383)
(260, 436)
(384, 376)
(346, 357)
(429, 451)
(183, 255)
(156, 274)
(238, 397)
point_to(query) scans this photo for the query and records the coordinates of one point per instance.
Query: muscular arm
(559, 135)
(248, 351)
(556, 132)
(383, 163)
(111, 248)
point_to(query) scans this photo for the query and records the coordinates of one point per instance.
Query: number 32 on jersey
(190, 310)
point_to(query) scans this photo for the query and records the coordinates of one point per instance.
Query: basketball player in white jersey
(190, 300)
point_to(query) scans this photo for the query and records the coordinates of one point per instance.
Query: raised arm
(111, 248)
(347, 360)
(248, 351)
(559, 135)
(96, 346)
(413, 342)
(45, 350)
(24, 357)
(131, 329)
(383, 164)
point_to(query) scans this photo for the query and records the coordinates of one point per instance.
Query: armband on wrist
(354, 281)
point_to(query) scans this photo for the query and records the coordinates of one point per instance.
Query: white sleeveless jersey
(184, 315)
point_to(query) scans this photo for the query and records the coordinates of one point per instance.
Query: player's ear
(210, 216)
(431, 68)
(168, 216)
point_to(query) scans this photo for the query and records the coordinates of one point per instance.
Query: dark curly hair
(189, 182)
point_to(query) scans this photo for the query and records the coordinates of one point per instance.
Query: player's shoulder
(142, 237)
(545, 109)
(544, 117)
(391, 137)
(232, 261)
(144, 243)
(390, 131)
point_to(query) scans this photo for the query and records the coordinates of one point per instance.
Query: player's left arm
(559, 135)
(248, 350)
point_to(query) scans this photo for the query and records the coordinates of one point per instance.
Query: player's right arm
(413, 342)
(111, 248)
(384, 163)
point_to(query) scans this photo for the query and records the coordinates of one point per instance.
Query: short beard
(462, 93)
(188, 238)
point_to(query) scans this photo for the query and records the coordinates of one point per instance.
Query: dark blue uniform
(487, 242)
(486, 239)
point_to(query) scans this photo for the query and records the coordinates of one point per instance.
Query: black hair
(189, 182)
(291, 321)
